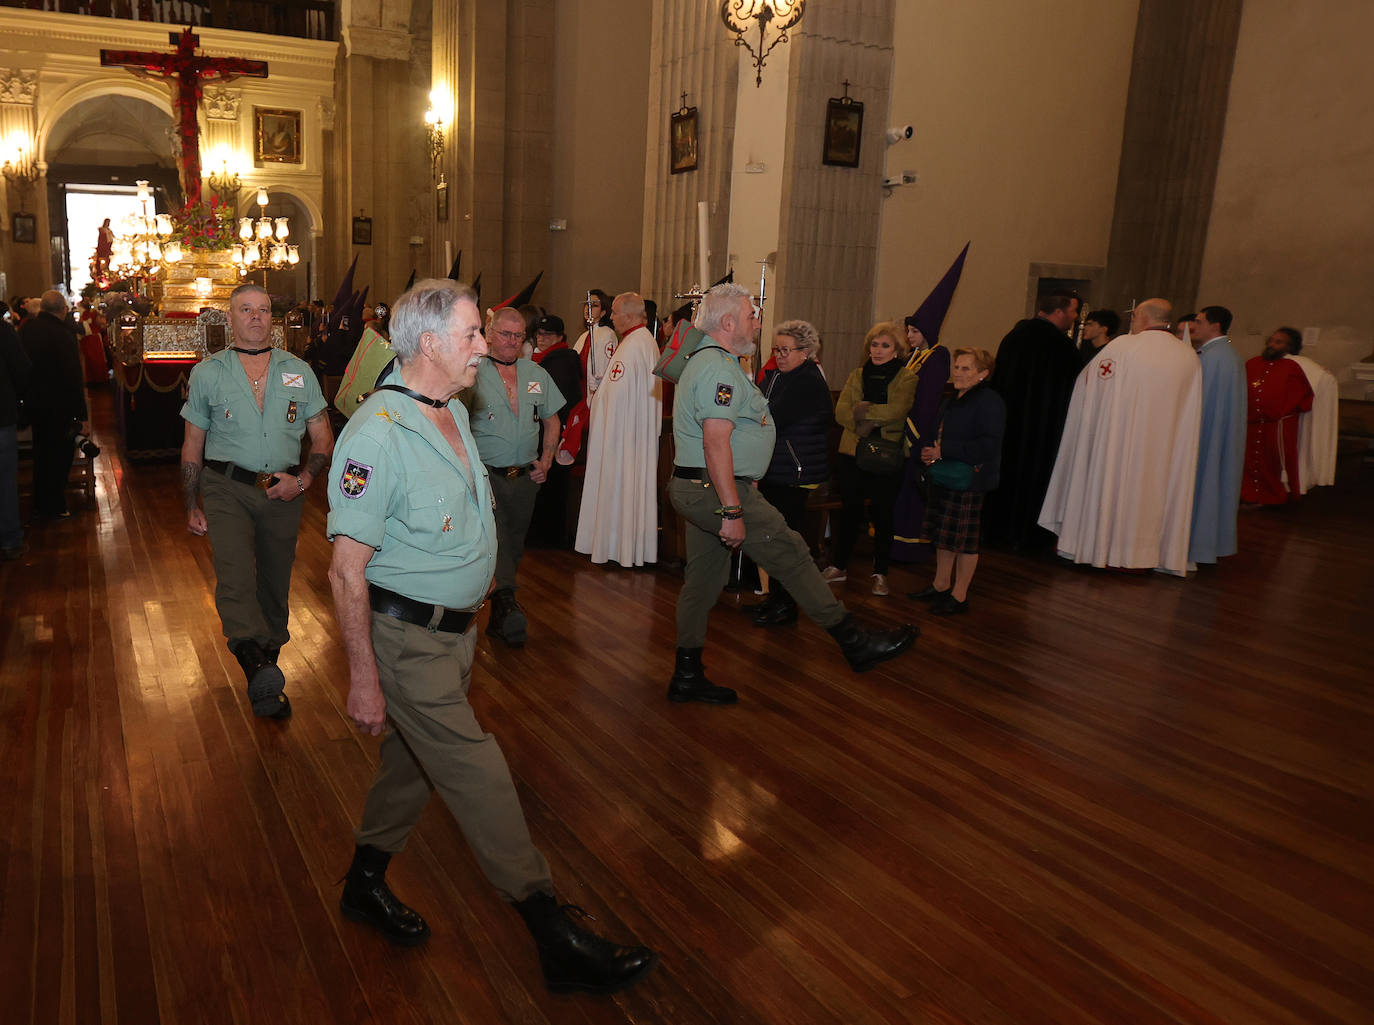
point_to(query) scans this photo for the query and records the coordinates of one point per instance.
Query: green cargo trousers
(253, 546)
(435, 743)
(515, 497)
(767, 540)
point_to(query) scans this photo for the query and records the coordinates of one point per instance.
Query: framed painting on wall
(276, 136)
(683, 141)
(24, 227)
(362, 231)
(844, 129)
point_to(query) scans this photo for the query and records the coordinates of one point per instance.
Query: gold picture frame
(276, 136)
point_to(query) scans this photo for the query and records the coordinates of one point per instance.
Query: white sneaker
(880, 585)
(832, 575)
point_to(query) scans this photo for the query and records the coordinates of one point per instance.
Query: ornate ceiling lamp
(777, 16)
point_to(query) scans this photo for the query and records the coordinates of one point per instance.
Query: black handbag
(875, 454)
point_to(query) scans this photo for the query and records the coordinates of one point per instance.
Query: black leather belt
(509, 472)
(238, 473)
(408, 610)
(697, 475)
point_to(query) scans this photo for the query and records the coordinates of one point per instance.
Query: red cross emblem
(617, 371)
(1106, 369)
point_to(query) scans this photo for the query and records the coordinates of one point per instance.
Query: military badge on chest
(291, 412)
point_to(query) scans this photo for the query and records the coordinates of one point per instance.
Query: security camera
(900, 134)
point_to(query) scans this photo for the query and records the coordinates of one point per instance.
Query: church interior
(1099, 799)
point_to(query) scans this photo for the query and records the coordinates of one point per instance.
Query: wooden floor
(1097, 798)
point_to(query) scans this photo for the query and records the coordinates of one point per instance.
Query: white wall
(1291, 235)
(1018, 110)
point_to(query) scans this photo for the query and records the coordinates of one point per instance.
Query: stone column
(828, 250)
(1175, 116)
(691, 53)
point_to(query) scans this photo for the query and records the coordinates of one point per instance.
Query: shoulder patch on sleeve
(354, 480)
(724, 393)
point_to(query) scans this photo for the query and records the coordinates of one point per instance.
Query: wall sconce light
(19, 168)
(224, 183)
(437, 118)
(778, 15)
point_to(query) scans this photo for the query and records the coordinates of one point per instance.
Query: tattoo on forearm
(317, 464)
(190, 485)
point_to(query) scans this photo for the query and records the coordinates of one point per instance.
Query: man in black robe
(56, 402)
(1036, 368)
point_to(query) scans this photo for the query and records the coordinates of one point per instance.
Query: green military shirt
(505, 438)
(714, 386)
(220, 402)
(397, 486)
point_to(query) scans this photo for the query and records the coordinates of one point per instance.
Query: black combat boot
(689, 681)
(866, 648)
(778, 609)
(507, 618)
(366, 898)
(265, 680)
(572, 957)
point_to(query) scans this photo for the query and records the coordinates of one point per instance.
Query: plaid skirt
(953, 519)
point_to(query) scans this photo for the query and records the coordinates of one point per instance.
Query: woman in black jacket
(969, 442)
(799, 401)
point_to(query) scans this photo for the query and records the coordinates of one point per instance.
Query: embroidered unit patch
(448, 525)
(724, 393)
(355, 477)
(617, 371)
(534, 388)
(293, 380)
(1106, 369)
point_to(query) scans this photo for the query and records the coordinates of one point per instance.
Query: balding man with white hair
(56, 403)
(618, 520)
(1121, 494)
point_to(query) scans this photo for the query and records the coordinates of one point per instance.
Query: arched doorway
(96, 152)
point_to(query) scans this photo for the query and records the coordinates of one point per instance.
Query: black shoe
(265, 680)
(775, 610)
(949, 606)
(931, 593)
(507, 622)
(574, 958)
(689, 682)
(867, 648)
(367, 899)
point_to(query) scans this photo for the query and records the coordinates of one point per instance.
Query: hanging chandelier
(262, 242)
(775, 16)
(144, 245)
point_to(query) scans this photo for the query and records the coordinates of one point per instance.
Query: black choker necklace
(503, 362)
(436, 403)
(251, 352)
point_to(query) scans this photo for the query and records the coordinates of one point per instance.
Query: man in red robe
(1278, 391)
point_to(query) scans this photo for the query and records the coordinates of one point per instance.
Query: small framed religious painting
(276, 136)
(844, 129)
(24, 227)
(683, 141)
(441, 201)
(362, 231)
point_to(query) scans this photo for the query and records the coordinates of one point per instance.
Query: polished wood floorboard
(1096, 799)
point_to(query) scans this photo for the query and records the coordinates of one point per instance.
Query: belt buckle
(264, 480)
(512, 472)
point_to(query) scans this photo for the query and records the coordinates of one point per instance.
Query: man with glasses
(247, 409)
(513, 410)
(618, 519)
(723, 435)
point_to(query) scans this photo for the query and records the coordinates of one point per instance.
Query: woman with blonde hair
(962, 466)
(872, 409)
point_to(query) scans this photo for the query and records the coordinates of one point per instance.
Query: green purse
(950, 474)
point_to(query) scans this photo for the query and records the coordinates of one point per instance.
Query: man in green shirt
(513, 410)
(414, 553)
(724, 439)
(246, 411)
